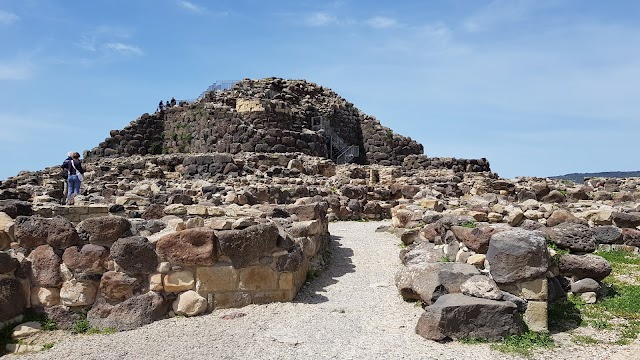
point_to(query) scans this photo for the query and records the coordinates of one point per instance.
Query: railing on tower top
(219, 85)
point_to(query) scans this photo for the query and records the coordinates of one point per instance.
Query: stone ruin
(225, 202)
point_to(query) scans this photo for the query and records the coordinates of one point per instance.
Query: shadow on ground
(339, 264)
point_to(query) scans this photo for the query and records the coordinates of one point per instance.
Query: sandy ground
(351, 311)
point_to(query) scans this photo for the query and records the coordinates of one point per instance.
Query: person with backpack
(64, 174)
(76, 175)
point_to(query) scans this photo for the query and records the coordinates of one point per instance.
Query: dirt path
(351, 311)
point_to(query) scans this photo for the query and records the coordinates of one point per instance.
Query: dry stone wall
(126, 273)
(269, 115)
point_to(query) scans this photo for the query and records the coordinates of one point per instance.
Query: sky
(538, 87)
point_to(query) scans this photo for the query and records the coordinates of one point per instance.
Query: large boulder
(130, 314)
(429, 281)
(574, 237)
(33, 231)
(626, 220)
(7, 229)
(482, 287)
(517, 255)
(457, 316)
(291, 261)
(45, 267)
(631, 237)
(607, 235)
(307, 212)
(192, 247)
(248, 245)
(584, 266)
(476, 239)
(104, 230)
(135, 255)
(7, 263)
(561, 216)
(89, 259)
(420, 253)
(12, 298)
(64, 316)
(15, 208)
(78, 293)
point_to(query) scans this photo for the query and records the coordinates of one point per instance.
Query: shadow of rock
(339, 264)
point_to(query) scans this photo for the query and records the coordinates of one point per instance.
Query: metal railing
(346, 152)
(219, 85)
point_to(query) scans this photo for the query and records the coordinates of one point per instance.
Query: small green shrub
(444, 259)
(555, 248)
(585, 340)
(47, 346)
(81, 326)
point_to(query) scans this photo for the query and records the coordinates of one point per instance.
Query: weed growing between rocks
(524, 344)
(471, 224)
(47, 346)
(617, 311)
(6, 331)
(82, 326)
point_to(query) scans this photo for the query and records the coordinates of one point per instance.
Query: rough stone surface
(482, 287)
(427, 282)
(78, 293)
(476, 239)
(45, 267)
(88, 259)
(584, 266)
(575, 237)
(104, 230)
(117, 286)
(33, 231)
(246, 246)
(7, 263)
(607, 235)
(457, 316)
(626, 220)
(517, 255)
(179, 281)
(12, 299)
(192, 247)
(130, 314)
(135, 255)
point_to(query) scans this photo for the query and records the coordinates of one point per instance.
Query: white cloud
(189, 6)
(498, 12)
(320, 19)
(382, 22)
(124, 49)
(15, 70)
(7, 18)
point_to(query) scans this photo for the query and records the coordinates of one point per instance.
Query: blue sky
(539, 87)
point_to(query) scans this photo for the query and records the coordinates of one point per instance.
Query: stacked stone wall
(126, 273)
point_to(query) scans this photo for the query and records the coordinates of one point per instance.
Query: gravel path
(352, 311)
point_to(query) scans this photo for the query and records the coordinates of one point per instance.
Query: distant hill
(579, 177)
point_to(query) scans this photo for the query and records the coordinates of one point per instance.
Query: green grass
(585, 340)
(47, 346)
(619, 257)
(624, 303)
(524, 344)
(555, 248)
(567, 314)
(473, 341)
(6, 331)
(469, 224)
(444, 259)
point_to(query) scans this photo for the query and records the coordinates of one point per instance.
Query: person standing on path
(74, 166)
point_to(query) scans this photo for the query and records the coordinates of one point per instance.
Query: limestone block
(536, 317)
(216, 279)
(220, 224)
(175, 209)
(258, 278)
(43, 296)
(266, 297)
(179, 281)
(477, 260)
(431, 204)
(589, 297)
(26, 329)
(231, 300)
(285, 282)
(78, 293)
(200, 210)
(189, 303)
(536, 289)
(155, 282)
(195, 222)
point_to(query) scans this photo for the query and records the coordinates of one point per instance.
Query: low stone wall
(74, 214)
(124, 273)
